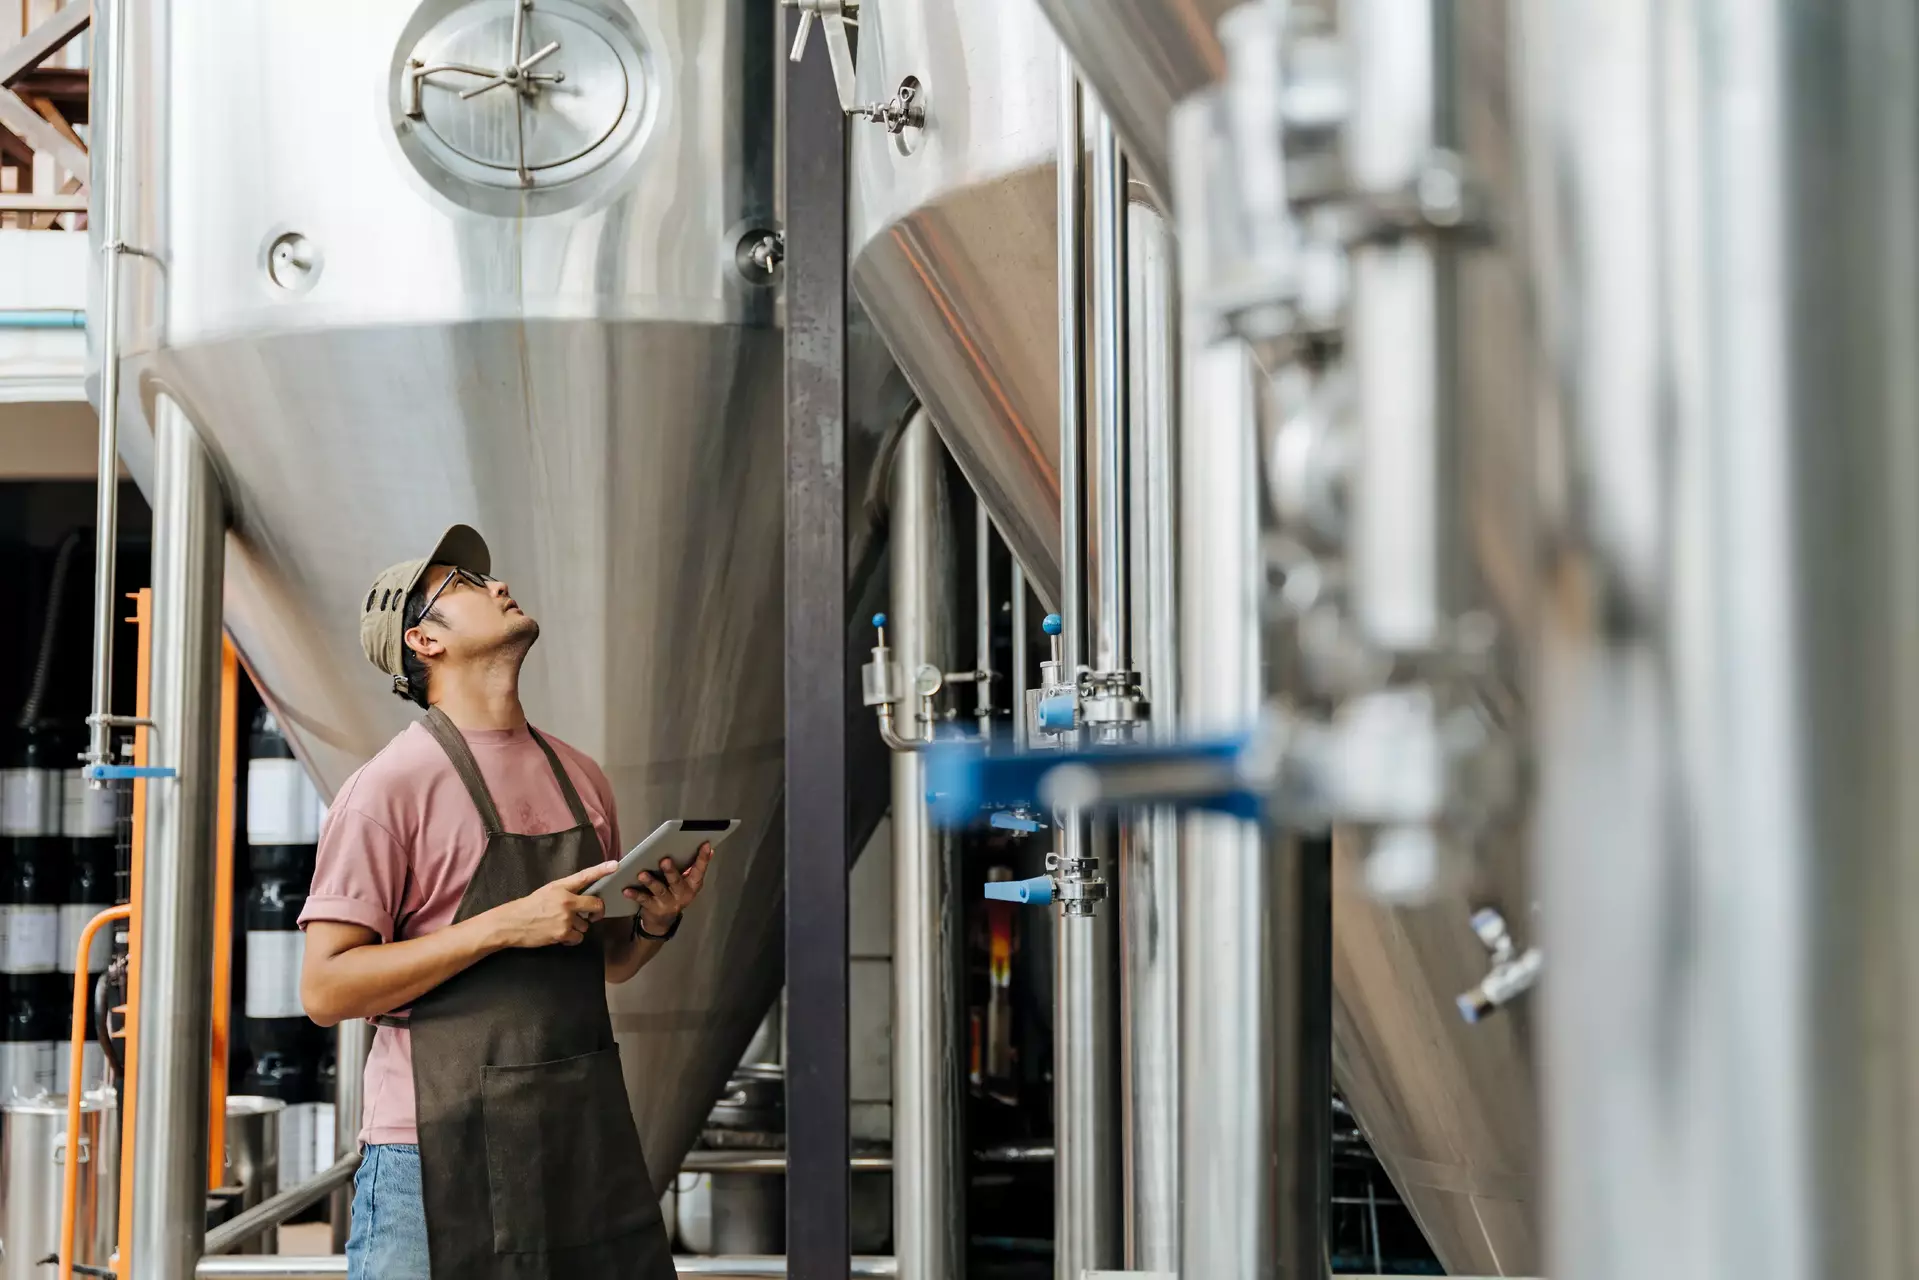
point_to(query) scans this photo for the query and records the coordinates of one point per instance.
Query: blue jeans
(388, 1236)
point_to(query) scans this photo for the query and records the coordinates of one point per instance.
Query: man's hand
(664, 894)
(553, 913)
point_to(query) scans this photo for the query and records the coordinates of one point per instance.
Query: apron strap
(454, 744)
(567, 789)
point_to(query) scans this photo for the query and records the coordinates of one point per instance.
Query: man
(447, 905)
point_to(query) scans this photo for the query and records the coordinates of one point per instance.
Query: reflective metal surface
(593, 384)
(1148, 872)
(929, 1158)
(169, 1156)
(952, 235)
(1141, 57)
(1728, 677)
(1254, 1098)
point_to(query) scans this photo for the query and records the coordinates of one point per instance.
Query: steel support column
(929, 1161)
(818, 1186)
(176, 933)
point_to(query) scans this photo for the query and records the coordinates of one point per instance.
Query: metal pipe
(1106, 548)
(47, 318)
(983, 617)
(1088, 1234)
(1071, 231)
(176, 932)
(352, 1040)
(775, 1161)
(1148, 893)
(1254, 922)
(929, 1176)
(106, 518)
(278, 1209)
(290, 1267)
(1020, 656)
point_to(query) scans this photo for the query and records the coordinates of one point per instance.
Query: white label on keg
(323, 1149)
(29, 939)
(29, 802)
(86, 812)
(283, 806)
(93, 1071)
(73, 921)
(273, 973)
(26, 1068)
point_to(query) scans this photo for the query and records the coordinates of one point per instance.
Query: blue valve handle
(1006, 821)
(120, 772)
(1059, 713)
(879, 620)
(962, 779)
(1035, 892)
(1052, 625)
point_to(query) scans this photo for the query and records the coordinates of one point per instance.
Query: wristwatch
(639, 928)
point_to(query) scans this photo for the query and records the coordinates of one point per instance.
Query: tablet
(679, 839)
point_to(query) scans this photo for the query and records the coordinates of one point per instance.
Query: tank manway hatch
(518, 107)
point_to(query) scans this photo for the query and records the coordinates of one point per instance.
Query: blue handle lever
(1035, 892)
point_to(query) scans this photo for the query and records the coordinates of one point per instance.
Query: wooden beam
(19, 118)
(44, 40)
(51, 114)
(48, 203)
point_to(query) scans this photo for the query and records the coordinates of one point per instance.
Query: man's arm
(349, 973)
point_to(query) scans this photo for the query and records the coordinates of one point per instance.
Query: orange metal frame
(130, 912)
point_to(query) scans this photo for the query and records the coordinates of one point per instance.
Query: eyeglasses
(479, 580)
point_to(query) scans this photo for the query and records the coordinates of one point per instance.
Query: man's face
(481, 619)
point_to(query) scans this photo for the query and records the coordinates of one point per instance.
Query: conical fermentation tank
(491, 261)
(954, 257)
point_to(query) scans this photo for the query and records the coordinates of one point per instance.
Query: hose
(56, 596)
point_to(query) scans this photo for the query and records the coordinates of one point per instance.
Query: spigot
(1513, 971)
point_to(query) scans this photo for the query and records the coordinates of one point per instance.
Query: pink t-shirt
(400, 843)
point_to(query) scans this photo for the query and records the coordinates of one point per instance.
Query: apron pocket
(562, 1155)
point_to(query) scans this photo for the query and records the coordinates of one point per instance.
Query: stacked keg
(89, 831)
(288, 1051)
(33, 888)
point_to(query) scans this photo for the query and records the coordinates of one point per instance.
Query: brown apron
(529, 1159)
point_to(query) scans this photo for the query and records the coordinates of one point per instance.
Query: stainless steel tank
(1140, 58)
(953, 240)
(392, 292)
(34, 1149)
(952, 244)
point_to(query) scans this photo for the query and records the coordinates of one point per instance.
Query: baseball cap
(383, 615)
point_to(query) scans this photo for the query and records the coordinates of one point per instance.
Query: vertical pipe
(106, 520)
(818, 837)
(983, 616)
(1020, 656)
(176, 940)
(929, 1174)
(1148, 858)
(351, 1041)
(229, 769)
(1254, 938)
(1088, 1234)
(1071, 227)
(1105, 463)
